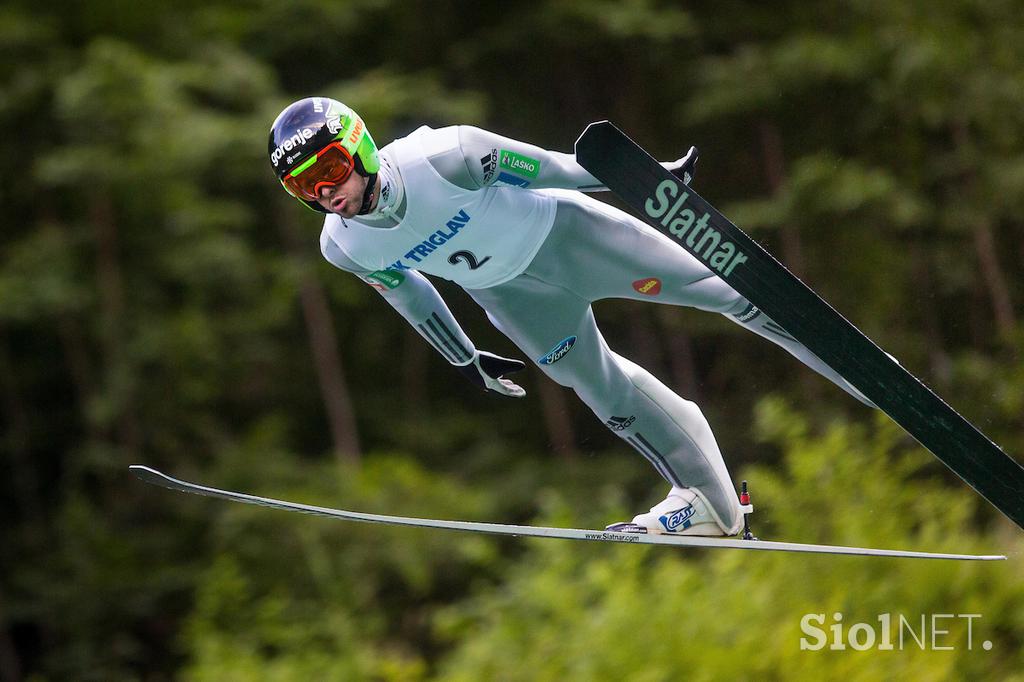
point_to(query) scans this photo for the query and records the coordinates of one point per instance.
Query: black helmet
(309, 125)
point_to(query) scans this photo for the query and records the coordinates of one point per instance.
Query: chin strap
(371, 185)
(368, 195)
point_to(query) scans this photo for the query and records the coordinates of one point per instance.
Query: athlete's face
(345, 198)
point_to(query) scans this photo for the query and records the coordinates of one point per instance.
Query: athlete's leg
(606, 253)
(556, 329)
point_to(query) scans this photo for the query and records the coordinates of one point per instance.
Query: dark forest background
(162, 301)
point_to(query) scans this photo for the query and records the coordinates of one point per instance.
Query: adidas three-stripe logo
(442, 338)
(777, 330)
(620, 423)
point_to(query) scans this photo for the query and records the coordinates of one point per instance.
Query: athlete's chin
(345, 210)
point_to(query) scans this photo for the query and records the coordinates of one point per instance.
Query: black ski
(664, 202)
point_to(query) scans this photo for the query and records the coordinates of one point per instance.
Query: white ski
(157, 478)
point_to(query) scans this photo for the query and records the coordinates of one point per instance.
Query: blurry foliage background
(162, 301)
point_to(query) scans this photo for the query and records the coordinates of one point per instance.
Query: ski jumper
(507, 221)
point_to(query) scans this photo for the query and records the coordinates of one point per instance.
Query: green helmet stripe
(304, 165)
(368, 152)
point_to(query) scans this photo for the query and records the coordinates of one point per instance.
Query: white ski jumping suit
(509, 223)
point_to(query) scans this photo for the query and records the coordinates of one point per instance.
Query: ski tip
(593, 128)
(147, 474)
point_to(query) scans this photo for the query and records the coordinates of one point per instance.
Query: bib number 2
(467, 257)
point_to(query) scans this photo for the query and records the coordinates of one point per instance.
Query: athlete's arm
(485, 158)
(416, 299)
(492, 159)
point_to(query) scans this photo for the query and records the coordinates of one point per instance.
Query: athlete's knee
(646, 383)
(637, 375)
(641, 379)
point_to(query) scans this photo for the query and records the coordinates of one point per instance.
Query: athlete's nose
(326, 191)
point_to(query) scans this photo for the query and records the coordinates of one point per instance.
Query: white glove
(487, 371)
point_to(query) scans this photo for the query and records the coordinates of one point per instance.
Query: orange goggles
(330, 166)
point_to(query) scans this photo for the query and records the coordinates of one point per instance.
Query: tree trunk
(16, 434)
(119, 382)
(74, 345)
(10, 666)
(995, 281)
(330, 374)
(791, 242)
(73, 338)
(679, 347)
(774, 168)
(644, 348)
(557, 419)
(323, 344)
(416, 358)
(985, 249)
(939, 360)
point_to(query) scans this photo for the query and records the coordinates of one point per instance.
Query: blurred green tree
(161, 300)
